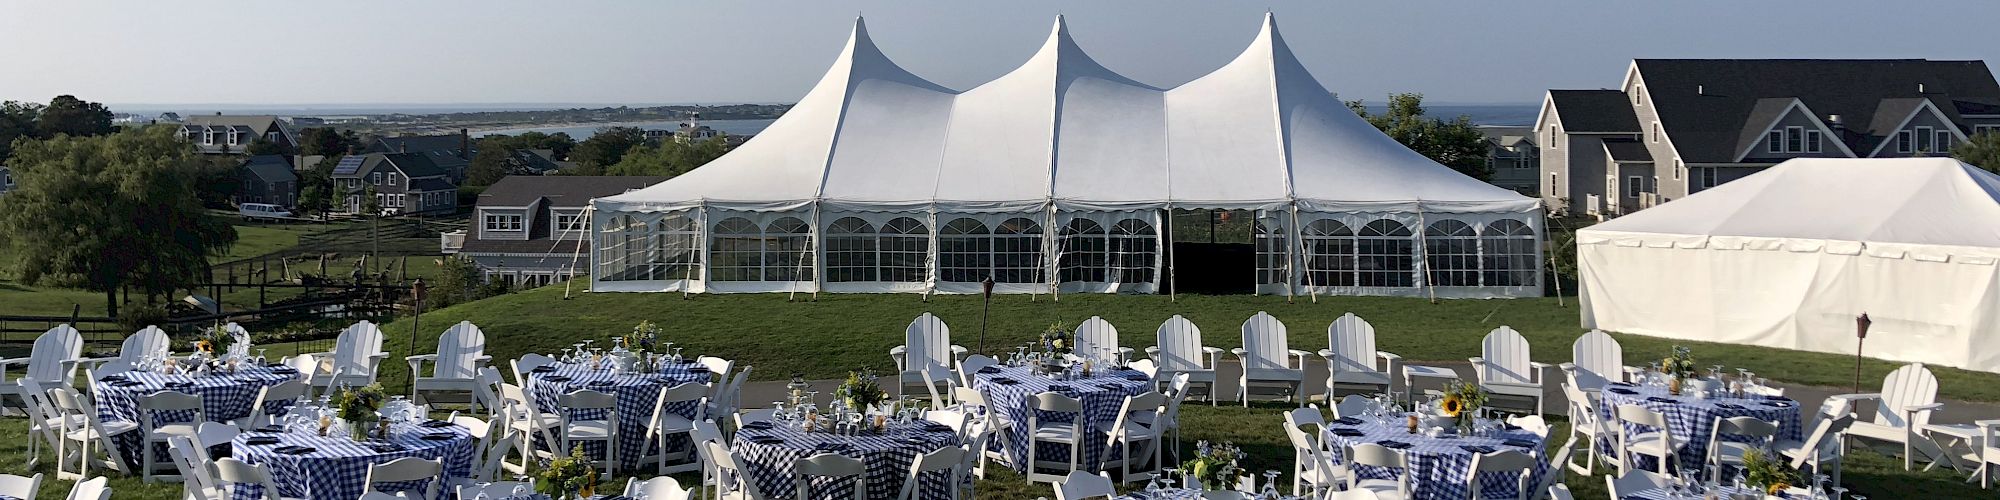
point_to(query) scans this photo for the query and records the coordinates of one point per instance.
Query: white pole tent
(1788, 257)
(1058, 177)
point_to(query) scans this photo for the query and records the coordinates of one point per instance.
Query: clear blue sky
(507, 51)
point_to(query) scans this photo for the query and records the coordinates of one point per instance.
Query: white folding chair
(1178, 349)
(974, 461)
(986, 420)
(605, 429)
(526, 364)
(232, 473)
(1375, 455)
(81, 427)
(1350, 359)
(94, 489)
(969, 368)
(1560, 492)
(1131, 428)
(839, 468)
(666, 424)
(191, 462)
(757, 415)
(1096, 335)
(1062, 433)
(461, 351)
(1905, 405)
(1658, 442)
(662, 488)
(156, 432)
(734, 482)
(1730, 453)
(1169, 421)
(1586, 424)
(403, 470)
(1081, 485)
(527, 423)
(1557, 466)
(1267, 362)
(1505, 370)
(1627, 483)
(45, 421)
(1513, 462)
(958, 421)
(273, 400)
(1353, 405)
(730, 399)
(718, 370)
(926, 347)
(943, 461)
(1310, 465)
(20, 487)
(1821, 450)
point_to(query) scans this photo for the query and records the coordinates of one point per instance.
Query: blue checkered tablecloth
(224, 397)
(888, 455)
(636, 394)
(1438, 466)
(337, 468)
(1691, 419)
(1668, 494)
(1102, 394)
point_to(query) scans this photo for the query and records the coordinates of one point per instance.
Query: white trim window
(503, 222)
(1384, 254)
(1656, 132)
(1704, 177)
(1904, 141)
(1329, 248)
(1774, 142)
(1813, 140)
(1795, 139)
(570, 223)
(392, 178)
(1272, 252)
(1633, 186)
(1451, 250)
(1986, 128)
(1944, 141)
(1509, 253)
(232, 137)
(1678, 167)
(375, 178)
(1084, 252)
(1639, 95)
(1555, 136)
(208, 136)
(1924, 140)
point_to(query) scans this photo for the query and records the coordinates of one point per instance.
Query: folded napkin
(1658, 399)
(1394, 445)
(1778, 403)
(1110, 386)
(557, 379)
(296, 450)
(697, 369)
(831, 447)
(600, 383)
(766, 440)
(128, 383)
(1061, 388)
(386, 447)
(268, 429)
(112, 378)
(1627, 392)
(179, 383)
(935, 427)
(1005, 381)
(260, 440)
(438, 437)
(1345, 432)
(1729, 406)
(1347, 421)
(990, 369)
(1480, 448)
(1137, 378)
(543, 369)
(1520, 443)
(757, 425)
(1622, 384)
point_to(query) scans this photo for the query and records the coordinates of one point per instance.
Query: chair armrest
(957, 349)
(1214, 356)
(421, 357)
(482, 360)
(1567, 367)
(1153, 353)
(897, 353)
(1537, 377)
(1918, 409)
(1299, 355)
(1326, 353)
(1871, 396)
(1239, 352)
(1215, 350)
(1386, 355)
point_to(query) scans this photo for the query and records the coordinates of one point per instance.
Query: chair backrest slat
(1180, 345)
(51, 349)
(458, 351)
(1598, 359)
(1911, 385)
(1094, 334)
(1506, 354)
(148, 341)
(1352, 341)
(927, 344)
(355, 345)
(1264, 339)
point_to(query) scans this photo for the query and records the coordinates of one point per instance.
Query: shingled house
(531, 230)
(218, 134)
(405, 183)
(267, 179)
(1677, 126)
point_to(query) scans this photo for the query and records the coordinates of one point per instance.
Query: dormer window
(1944, 140)
(1774, 142)
(1924, 139)
(1903, 141)
(1813, 141)
(232, 137)
(208, 137)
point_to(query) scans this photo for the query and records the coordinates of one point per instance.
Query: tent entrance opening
(1214, 251)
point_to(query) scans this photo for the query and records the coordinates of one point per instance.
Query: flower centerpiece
(1056, 339)
(214, 345)
(1767, 475)
(568, 477)
(1678, 365)
(1461, 404)
(1214, 466)
(860, 390)
(360, 406)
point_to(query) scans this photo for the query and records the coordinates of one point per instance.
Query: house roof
(572, 191)
(1509, 136)
(412, 165)
(1595, 111)
(1706, 103)
(418, 144)
(430, 184)
(1625, 150)
(534, 246)
(270, 168)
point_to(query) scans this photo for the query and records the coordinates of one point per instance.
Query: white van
(264, 211)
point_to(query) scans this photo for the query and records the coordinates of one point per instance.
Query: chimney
(403, 148)
(464, 144)
(1920, 87)
(1700, 89)
(1839, 125)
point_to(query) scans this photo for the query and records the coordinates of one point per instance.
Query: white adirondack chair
(148, 341)
(1350, 359)
(356, 354)
(52, 362)
(1905, 405)
(1178, 349)
(926, 347)
(241, 336)
(1266, 360)
(461, 352)
(1504, 369)
(1596, 359)
(1096, 334)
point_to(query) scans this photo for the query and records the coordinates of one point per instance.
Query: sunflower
(205, 346)
(1453, 405)
(1775, 488)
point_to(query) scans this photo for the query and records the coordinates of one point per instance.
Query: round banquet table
(1692, 419)
(1669, 494)
(771, 448)
(636, 393)
(224, 397)
(1011, 391)
(1438, 465)
(336, 467)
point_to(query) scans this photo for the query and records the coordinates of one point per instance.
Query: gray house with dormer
(232, 134)
(404, 183)
(531, 230)
(1674, 127)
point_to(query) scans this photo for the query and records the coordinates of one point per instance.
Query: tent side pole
(1167, 230)
(1424, 254)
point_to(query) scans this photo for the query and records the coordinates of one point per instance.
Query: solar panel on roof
(348, 165)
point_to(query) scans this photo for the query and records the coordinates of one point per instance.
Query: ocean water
(581, 132)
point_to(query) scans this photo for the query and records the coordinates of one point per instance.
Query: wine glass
(520, 486)
(677, 355)
(1840, 492)
(1270, 491)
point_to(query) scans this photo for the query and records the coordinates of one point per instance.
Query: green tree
(217, 180)
(69, 115)
(370, 205)
(560, 142)
(262, 146)
(669, 158)
(316, 193)
(492, 163)
(1457, 143)
(608, 146)
(327, 141)
(17, 120)
(1981, 151)
(100, 213)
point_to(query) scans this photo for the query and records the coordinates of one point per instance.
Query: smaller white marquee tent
(1789, 256)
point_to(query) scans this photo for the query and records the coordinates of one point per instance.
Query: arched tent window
(1451, 252)
(1083, 248)
(736, 249)
(674, 254)
(1329, 248)
(965, 251)
(1017, 251)
(611, 262)
(1271, 252)
(1510, 253)
(1382, 254)
(1133, 245)
(787, 252)
(905, 246)
(850, 250)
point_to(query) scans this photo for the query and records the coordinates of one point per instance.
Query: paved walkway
(761, 394)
